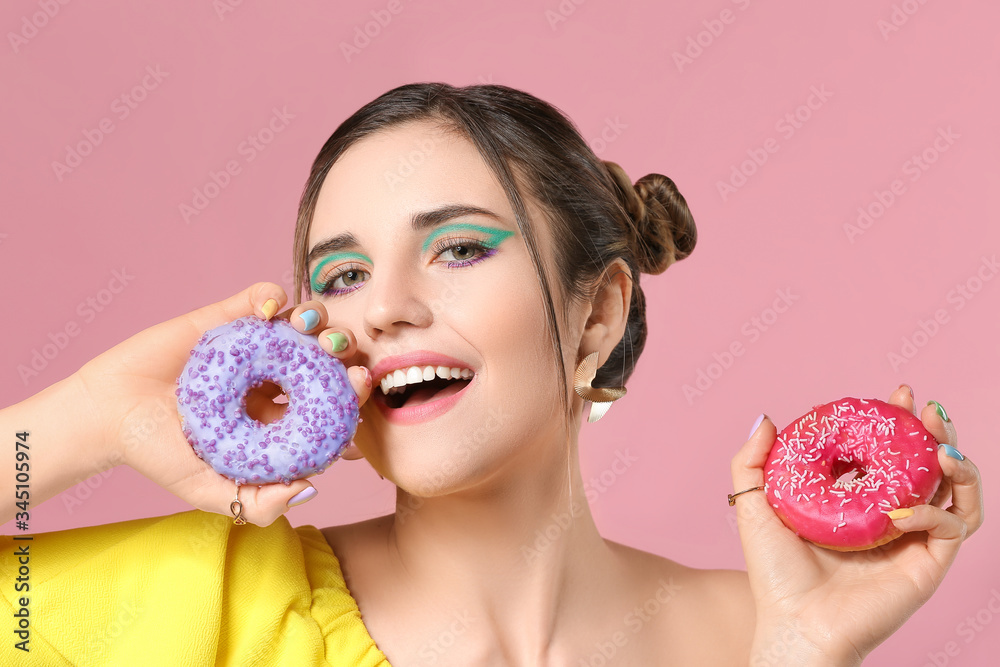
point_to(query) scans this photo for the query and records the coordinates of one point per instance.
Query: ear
(608, 316)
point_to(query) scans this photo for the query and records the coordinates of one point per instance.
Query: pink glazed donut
(230, 360)
(834, 474)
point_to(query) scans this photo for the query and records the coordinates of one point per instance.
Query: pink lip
(419, 413)
(416, 358)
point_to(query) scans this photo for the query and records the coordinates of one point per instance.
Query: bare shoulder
(358, 538)
(702, 616)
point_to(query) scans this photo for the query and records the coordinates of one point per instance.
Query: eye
(346, 279)
(465, 251)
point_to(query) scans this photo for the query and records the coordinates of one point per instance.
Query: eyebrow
(418, 222)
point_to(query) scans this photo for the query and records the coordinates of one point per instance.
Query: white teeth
(396, 381)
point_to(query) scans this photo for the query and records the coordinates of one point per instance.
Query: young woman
(512, 251)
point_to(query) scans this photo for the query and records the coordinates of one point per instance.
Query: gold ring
(236, 507)
(732, 496)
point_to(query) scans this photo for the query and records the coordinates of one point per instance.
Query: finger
(341, 343)
(251, 301)
(262, 504)
(903, 397)
(945, 531)
(748, 470)
(966, 487)
(936, 420)
(942, 497)
(352, 453)
(361, 381)
(748, 464)
(308, 316)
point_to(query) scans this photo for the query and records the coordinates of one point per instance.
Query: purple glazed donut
(228, 361)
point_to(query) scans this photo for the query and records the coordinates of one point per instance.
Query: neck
(515, 550)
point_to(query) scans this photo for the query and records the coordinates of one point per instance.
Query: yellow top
(185, 589)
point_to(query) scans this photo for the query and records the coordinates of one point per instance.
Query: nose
(395, 299)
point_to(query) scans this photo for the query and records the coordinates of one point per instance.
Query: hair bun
(662, 230)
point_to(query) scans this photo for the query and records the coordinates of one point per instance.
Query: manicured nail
(940, 410)
(269, 308)
(302, 496)
(756, 425)
(901, 513)
(337, 340)
(909, 389)
(310, 318)
(368, 377)
(952, 452)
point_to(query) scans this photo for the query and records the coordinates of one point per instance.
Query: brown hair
(596, 213)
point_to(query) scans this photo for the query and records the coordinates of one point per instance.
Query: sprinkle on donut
(834, 473)
(230, 360)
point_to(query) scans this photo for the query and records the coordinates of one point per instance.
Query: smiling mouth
(423, 392)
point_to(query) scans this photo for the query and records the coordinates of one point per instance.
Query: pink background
(608, 65)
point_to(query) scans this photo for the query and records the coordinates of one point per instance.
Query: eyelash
(441, 246)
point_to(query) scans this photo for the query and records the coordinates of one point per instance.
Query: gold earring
(600, 398)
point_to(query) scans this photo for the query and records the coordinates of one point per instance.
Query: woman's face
(459, 290)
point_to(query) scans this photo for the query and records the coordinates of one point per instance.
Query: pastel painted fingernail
(756, 425)
(302, 496)
(940, 410)
(908, 388)
(310, 318)
(338, 341)
(368, 377)
(269, 308)
(901, 513)
(952, 452)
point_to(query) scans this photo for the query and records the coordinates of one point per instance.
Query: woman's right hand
(132, 388)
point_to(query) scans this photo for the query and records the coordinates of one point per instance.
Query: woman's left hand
(832, 607)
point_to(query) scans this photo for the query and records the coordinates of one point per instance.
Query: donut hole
(846, 471)
(266, 402)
